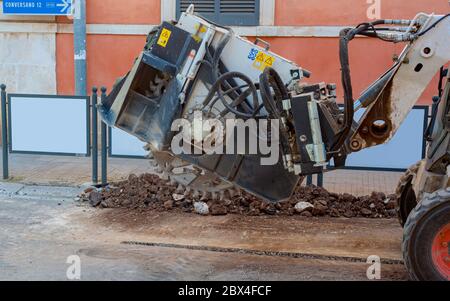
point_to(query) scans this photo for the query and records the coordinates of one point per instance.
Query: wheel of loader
(406, 197)
(426, 238)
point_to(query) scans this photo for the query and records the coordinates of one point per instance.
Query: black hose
(217, 88)
(271, 79)
(267, 98)
(277, 82)
(231, 86)
(232, 90)
(267, 80)
(345, 36)
(226, 81)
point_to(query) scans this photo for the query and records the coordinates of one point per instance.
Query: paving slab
(10, 188)
(50, 191)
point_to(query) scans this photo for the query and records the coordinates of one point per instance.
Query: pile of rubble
(149, 192)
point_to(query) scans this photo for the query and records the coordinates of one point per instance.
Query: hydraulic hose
(227, 82)
(217, 88)
(271, 79)
(345, 36)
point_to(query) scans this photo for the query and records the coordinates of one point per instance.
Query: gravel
(149, 192)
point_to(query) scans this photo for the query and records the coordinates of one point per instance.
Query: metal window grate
(225, 12)
(237, 6)
(201, 6)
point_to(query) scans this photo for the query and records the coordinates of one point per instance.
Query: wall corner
(168, 10)
(267, 12)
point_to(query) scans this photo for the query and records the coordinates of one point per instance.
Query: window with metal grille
(224, 12)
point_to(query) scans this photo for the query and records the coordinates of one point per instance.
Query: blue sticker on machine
(253, 53)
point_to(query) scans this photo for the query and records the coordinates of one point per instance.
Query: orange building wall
(321, 57)
(110, 56)
(123, 12)
(350, 12)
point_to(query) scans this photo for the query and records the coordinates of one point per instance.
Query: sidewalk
(73, 171)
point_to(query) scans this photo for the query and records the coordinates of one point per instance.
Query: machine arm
(388, 100)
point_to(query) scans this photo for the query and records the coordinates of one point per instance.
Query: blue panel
(37, 7)
(405, 149)
(124, 144)
(48, 124)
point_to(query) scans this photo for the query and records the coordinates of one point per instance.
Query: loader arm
(388, 100)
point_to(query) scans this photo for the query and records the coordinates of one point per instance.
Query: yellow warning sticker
(269, 61)
(262, 61)
(164, 37)
(260, 57)
(201, 29)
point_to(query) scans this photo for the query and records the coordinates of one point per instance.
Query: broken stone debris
(303, 206)
(201, 208)
(149, 192)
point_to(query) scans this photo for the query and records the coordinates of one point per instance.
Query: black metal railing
(92, 134)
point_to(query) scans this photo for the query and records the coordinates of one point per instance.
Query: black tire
(423, 223)
(405, 196)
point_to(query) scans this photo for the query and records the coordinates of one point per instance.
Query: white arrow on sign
(65, 5)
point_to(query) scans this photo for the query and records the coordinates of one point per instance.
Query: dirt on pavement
(38, 232)
(149, 192)
(317, 247)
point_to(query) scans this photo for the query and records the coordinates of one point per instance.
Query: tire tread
(403, 182)
(429, 202)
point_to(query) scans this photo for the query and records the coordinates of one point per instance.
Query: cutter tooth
(165, 176)
(180, 188)
(187, 192)
(222, 195)
(214, 196)
(206, 195)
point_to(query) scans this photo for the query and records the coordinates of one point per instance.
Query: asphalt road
(45, 235)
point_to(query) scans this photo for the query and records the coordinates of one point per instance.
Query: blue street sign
(37, 7)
